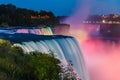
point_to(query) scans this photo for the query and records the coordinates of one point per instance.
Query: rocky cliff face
(61, 29)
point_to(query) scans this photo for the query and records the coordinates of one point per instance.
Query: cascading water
(37, 31)
(65, 48)
(41, 31)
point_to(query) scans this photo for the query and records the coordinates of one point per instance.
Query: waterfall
(38, 31)
(65, 48)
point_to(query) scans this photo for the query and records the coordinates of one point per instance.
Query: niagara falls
(59, 40)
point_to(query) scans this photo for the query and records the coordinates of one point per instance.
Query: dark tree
(13, 16)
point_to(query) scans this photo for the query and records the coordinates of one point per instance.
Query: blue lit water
(65, 48)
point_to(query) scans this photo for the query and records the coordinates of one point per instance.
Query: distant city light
(103, 21)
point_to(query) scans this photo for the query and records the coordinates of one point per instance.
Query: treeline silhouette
(10, 15)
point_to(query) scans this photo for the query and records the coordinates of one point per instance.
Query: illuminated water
(65, 48)
(37, 31)
(41, 31)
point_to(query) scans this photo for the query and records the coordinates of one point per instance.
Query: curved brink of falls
(65, 48)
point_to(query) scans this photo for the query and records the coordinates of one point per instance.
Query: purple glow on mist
(81, 13)
(102, 58)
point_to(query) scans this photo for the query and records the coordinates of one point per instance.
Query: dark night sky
(59, 7)
(67, 7)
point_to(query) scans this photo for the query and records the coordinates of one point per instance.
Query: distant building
(103, 19)
(110, 30)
